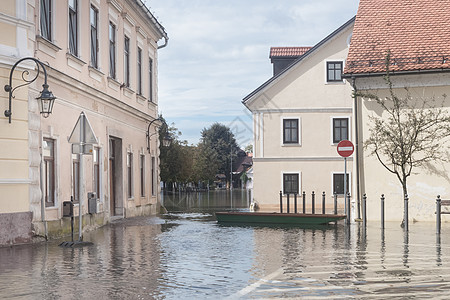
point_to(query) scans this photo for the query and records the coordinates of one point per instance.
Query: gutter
(161, 29)
(379, 74)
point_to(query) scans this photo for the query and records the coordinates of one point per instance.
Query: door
(115, 176)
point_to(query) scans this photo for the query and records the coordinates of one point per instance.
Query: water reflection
(185, 254)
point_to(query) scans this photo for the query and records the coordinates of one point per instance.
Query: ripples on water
(185, 254)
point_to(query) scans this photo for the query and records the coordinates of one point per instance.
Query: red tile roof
(288, 51)
(416, 32)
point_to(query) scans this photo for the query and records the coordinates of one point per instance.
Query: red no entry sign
(345, 148)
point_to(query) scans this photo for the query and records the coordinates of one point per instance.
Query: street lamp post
(166, 140)
(46, 98)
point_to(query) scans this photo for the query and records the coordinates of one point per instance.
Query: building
(299, 117)
(415, 33)
(101, 58)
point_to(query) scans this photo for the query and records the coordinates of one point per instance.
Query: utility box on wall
(67, 209)
(92, 203)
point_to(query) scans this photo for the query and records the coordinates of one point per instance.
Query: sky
(218, 53)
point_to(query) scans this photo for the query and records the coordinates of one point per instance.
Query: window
(290, 131)
(290, 183)
(334, 71)
(139, 71)
(340, 129)
(126, 62)
(142, 174)
(150, 76)
(46, 19)
(112, 50)
(130, 174)
(338, 183)
(73, 27)
(94, 37)
(76, 178)
(153, 177)
(96, 157)
(48, 148)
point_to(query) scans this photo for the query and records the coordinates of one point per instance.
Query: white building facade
(299, 117)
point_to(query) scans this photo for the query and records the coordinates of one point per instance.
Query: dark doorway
(115, 176)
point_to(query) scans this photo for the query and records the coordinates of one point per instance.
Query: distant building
(101, 58)
(241, 164)
(299, 117)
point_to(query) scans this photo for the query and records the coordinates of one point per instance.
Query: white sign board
(82, 133)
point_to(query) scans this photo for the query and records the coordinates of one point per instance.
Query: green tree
(171, 157)
(411, 133)
(206, 164)
(218, 145)
(249, 148)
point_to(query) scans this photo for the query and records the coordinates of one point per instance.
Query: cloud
(218, 52)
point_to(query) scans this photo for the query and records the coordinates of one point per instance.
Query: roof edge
(161, 29)
(307, 53)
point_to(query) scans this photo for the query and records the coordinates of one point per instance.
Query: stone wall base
(144, 210)
(60, 228)
(15, 228)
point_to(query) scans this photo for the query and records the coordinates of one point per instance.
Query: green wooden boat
(276, 218)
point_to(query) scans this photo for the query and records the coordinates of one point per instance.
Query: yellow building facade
(101, 58)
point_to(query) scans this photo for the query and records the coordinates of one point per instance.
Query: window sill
(95, 74)
(128, 92)
(114, 84)
(291, 145)
(74, 62)
(140, 99)
(343, 82)
(47, 46)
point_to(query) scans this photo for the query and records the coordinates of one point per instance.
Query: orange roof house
(416, 33)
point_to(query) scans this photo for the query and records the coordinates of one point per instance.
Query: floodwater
(185, 254)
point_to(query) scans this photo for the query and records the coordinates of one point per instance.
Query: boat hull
(276, 218)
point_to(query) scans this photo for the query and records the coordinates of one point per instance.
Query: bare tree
(410, 135)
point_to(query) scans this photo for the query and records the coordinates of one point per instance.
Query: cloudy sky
(218, 53)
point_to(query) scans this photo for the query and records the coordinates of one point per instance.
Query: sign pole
(80, 183)
(345, 149)
(346, 199)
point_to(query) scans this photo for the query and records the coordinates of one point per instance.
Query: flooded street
(185, 254)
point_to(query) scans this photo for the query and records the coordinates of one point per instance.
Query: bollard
(345, 205)
(335, 203)
(438, 214)
(406, 213)
(364, 210)
(382, 211)
(295, 202)
(313, 197)
(304, 202)
(323, 203)
(348, 208)
(281, 202)
(287, 206)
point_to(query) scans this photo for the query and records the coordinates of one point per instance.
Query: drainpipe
(355, 116)
(166, 40)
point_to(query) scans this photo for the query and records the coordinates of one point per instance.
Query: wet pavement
(185, 254)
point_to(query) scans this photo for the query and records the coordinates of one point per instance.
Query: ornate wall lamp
(46, 98)
(166, 139)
